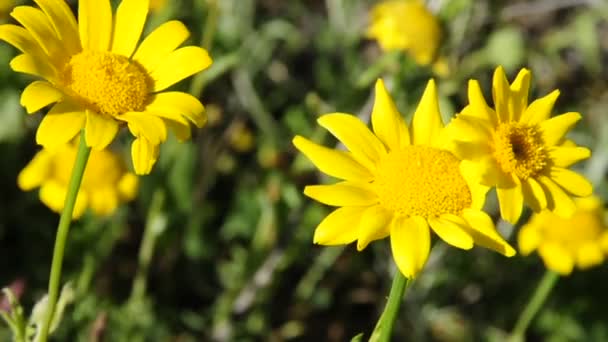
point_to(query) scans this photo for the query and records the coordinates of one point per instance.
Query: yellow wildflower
(518, 149)
(157, 5)
(106, 182)
(97, 76)
(562, 243)
(406, 25)
(398, 181)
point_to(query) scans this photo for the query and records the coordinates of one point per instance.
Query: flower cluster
(98, 78)
(399, 180)
(106, 182)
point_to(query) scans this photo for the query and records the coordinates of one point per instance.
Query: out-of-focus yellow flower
(5, 6)
(157, 5)
(406, 25)
(96, 76)
(240, 137)
(106, 182)
(562, 243)
(520, 149)
(398, 181)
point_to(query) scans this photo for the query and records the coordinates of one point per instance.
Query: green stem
(536, 302)
(62, 234)
(384, 327)
(155, 225)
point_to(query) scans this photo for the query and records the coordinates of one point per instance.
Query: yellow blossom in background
(519, 149)
(406, 25)
(96, 76)
(562, 243)
(5, 6)
(106, 182)
(397, 181)
(157, 5)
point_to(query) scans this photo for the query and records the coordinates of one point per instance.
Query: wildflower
(106, 182)
(406, 25)
(157, 5)
(97, 77)
(518, 149)
(562, 243)
(398, 181)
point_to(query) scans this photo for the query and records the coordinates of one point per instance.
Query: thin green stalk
(155, 225)
(536, 302)
(62, 234)
(384, 327)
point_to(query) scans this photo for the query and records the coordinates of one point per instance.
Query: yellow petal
(354, 134)
(340, 227)
(387, 122)
(556, 258)
(100, 130)
(427, 123)
(335, 163)
(161, 42)
(103, 201)
(20, 38)
(36, 171)
(410, 244)
(540, 110)
(53, 193)
(484, 232)
(28, 64)
(556, 128)
(478, 106)
(60, 125)
(511, 201)
(534, 195)
(141, 124)
(557, 200)
(128, 186)
(589, 255)
(179, 64)
(374, 225)
(519, 94)
(501, 94)
(95, 24)
(38, 95)
(61, 17)
(528, 239)
(567, 156)
(128, 25)
(39, 27)
(174, 104)
(471, 174)
(343, 194)
(144, 155)
(571, 181)
(451, 231)
(181, 129)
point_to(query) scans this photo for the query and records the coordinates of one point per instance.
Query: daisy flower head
(106, 182)
(406, 25)
(96, 76)
(563, 243)
(519, 149)
(398, 181)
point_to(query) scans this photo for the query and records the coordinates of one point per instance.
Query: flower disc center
(520, 149)
(107, 83)
(421, 181)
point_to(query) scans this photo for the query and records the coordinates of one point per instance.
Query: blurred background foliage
(218, 244)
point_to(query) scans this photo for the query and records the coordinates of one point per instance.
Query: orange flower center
(421, 181)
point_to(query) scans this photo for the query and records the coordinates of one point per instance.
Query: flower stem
(536, 302)
(62, 233)
(384, 327)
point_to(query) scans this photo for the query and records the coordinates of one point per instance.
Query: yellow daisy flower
(398, 181)
(562, 243)
(518, 149)
(406, 25)
(106, 182)
(97, 76)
